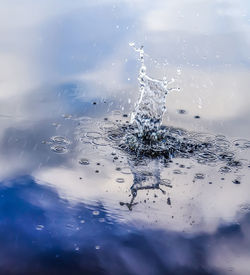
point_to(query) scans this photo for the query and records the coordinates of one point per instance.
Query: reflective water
(73, 200)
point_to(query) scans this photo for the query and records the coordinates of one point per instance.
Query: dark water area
(43, 233)
(81, 192)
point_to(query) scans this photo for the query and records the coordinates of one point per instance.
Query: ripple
(207, 156)
(242, 143)
(245, 207)
(177, 172)
(59, 149)
(226, 156)
(39, 227)
(116, 113)
(85, 140)
(100, 141)
(199, 176)
(126, 170)
(93, 135)
(120, 180)
(221, 143)
(166, 182)
(60, 140)
(225, 169)
(204, 137)
(116, 135)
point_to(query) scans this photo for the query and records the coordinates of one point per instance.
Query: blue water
(43, 233)
(67, 71)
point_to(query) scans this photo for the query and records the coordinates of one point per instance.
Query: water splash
(150, 147)
(150, 108)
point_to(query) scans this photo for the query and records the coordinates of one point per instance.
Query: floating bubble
(199, 176)
(39, 227)
(182, 111)
(207, 156)
(234, 163)
(226, 156)
(126, 170)
(60, 140)
(236, 181)
(59, 149)
(84, 161)
(166, 182)
(115, 135)
(177, 171)
(120, 180)
(225, 169)
(96, 213)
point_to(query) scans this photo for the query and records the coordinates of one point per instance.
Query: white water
(151, 106)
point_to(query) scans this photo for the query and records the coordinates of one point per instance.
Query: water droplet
(225, 169)
(39, 227)
(199, 176)
(182, 111)
(169, 201)
(177, 172)
(84, 161)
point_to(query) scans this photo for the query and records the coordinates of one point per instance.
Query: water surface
(68, 84)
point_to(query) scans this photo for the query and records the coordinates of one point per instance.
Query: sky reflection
(65, 66)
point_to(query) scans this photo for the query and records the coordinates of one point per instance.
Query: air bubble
(60, 140)
(126, 170)
(39, 227)
(84, 161)
(199, 176)
(59, 149)
(225, 169)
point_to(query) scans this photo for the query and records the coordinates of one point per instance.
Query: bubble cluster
(59, 144)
